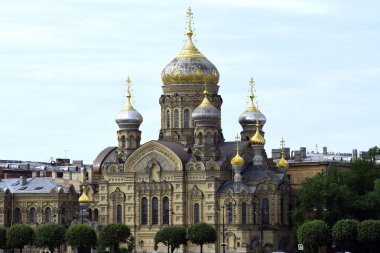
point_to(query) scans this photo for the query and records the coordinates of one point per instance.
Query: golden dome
(282, 163)
(257, 139)
(237, 160)
(190, 66)
(84, 198)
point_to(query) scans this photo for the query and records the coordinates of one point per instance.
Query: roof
(179, 149)
(101, 157)
(259, 172)
(33, 185)
(237, 187)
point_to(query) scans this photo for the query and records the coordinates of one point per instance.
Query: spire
(237, 160)
(257, 139)
(282, 163)
(206, 102)
(251, 107)
(189, 50)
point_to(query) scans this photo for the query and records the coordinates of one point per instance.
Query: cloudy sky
(63, 66)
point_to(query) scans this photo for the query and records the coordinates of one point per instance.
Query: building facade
(191, 174)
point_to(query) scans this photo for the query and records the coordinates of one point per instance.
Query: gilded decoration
(189, 76)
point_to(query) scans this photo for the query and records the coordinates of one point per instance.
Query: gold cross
(237, 143)
(189, 19)
(128, 83)
(282, 142)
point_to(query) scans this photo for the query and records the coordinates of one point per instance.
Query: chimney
(23, 180)
(325, 150)
(303, 152)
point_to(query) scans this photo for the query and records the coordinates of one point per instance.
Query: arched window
(196, 213)
(167, 119)
(144, 211)
(186, 118)
(176, 118)
(90, 214)
(229, 213)
(96, 214)
(17, 218)
(200, 139)
(243, 213)
(265, 211)
(119, 214)
(131, 142)
(48, 214)
(123, 141)
(154, 210)
(165, 208)
(32, 215)
(208, 138)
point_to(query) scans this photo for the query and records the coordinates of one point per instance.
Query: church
(191, 174)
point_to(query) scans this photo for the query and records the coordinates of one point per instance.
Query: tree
(19, 235)
(313, 234)
(344, 232)
(172, 236)
(50, 235)
(81, 236)
(374, 151)
(369, 233)
(201, 233)
(3, 238)
(113, 234)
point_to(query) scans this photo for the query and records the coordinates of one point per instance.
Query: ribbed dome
(128, 115)
(190, 66)
(282, 163)
(84, 198)
(206, 111)
(237, 160)
(257, 139)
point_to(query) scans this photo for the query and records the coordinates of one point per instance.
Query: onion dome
(84, 198)
(237, 160)
(206, 111)
(190, 66)
(282, 163)
(252, 114)
(128, 115)
(257, 139)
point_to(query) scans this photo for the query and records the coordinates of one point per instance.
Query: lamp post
(224, 244)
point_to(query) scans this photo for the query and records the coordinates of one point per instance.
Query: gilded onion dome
(252, 114)
(128, 115)
(237, 160)
(190, 66)
(282, 163)
(206, 111)
(257, 139)
(84, 198)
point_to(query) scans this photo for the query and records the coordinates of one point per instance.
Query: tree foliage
(172, 236)
(81, 235)
(3, 238)
(201, 233)
(313, 234)
(344, 232)
(20, 235)
(114, 234)
(369, 233)
(50, 235)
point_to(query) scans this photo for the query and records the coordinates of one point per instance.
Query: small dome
(84, 198)
(129, 116)
(206, 111)
(252, 114)
(282, 163)
(257, 139)
(237, 160)
(190, 66)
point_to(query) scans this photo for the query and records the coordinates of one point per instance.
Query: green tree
(344, 232)
(50, 235)
(81, 236)
(171, 236)
(313, 234)
(201, 233)
(3, 238)
(113, 234)
(369, 233)
(20, 235)
(374, 151)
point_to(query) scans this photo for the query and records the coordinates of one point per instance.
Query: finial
(189, 22)
(282, 163)
(252, 96)
(205, 92)
(237, 143)
(129, 94)
(282, 143)
(257, 125)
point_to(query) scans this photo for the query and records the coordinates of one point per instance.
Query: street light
(224, 244)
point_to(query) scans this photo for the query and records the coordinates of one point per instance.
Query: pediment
(153, 152)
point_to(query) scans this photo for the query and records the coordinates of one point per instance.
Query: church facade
(191, 174)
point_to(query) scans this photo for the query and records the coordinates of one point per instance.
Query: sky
(63, 66)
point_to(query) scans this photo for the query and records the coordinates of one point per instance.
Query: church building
(191, 174)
